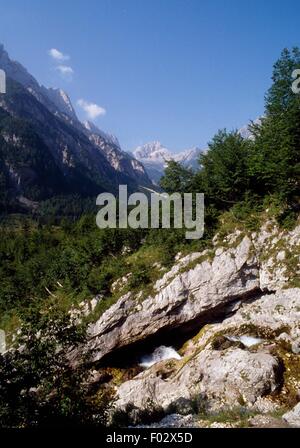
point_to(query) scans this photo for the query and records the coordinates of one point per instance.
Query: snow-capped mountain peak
(153, 152)
(155, 156)
(188, 156)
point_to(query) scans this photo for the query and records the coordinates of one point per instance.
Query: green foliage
(139, 277)
(176, 178)
(100, 278)
(274, 164)
(280, 96)
(77, 260)
(224, 170)
(38, 385)
(239, 415)
(24, 152)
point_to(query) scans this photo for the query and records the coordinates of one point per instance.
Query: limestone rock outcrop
(217, 377)
(293, 417)
(241, 302)
(220, 370)
(200, 286)
(206, 288)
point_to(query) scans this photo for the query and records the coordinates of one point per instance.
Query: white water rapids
(159, 354)
(247, 341)
(162, 353)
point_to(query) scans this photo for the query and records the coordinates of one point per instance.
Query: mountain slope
(82, 162)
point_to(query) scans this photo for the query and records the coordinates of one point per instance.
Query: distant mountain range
(155, 156)
(46, 152)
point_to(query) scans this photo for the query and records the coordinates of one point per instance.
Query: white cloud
(65, 70)
(92, 110)
(58, 55)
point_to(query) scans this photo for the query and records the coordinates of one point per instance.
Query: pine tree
(274, 166)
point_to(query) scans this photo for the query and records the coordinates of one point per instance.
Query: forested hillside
(54, 266)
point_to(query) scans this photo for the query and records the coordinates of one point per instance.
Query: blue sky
(168, 70)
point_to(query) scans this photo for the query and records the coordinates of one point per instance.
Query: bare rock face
(208, 287)
(240, 267)
(266, 421)
(274, 318)
(227, 364)
(221, 378)
(293, 417)
(279, 255)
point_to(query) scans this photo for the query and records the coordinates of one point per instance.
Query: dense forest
(46, 266)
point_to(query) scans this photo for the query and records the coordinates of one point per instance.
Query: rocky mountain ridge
(83, 160)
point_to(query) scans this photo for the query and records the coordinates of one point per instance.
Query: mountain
(45, 151)
(155, 156)
(61, 100)
(154, 152)
(112, 139)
